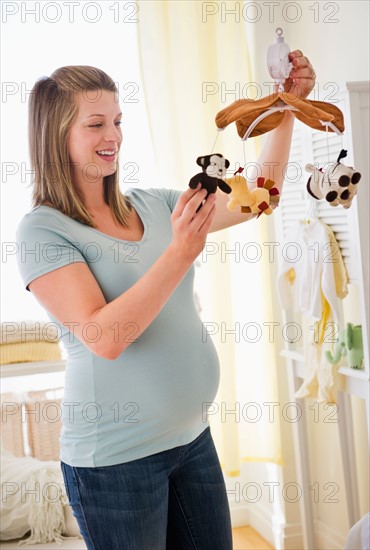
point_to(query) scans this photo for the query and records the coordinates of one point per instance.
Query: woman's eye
(98, 125)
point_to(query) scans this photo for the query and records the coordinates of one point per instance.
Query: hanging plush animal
(256, 201)
(213, 171)
(337, 184)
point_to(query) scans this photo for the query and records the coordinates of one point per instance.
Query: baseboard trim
(285, 536)
(327, 538)
(260, 518)
(288, 536)
(239, 513)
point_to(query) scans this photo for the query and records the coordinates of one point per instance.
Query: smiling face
(217, 167)
(96, 127)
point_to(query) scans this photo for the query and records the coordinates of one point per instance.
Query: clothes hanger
(311, 214)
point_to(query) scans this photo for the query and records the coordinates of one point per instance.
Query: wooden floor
(246, 538)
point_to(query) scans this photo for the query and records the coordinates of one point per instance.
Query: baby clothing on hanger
(340, 272)
(312, 284)
(341, 283)
(321, 380)
(307, 251)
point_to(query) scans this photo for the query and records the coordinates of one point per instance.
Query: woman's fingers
(188, 204)
(302, 77)
(208, 220)
(301, 63)
(295, 53)
(307, 72)
(190, 225)
(200, 217)
(190, 209)
(184, 199)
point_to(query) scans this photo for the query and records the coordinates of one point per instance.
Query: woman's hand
(301, 80)
(190, 228)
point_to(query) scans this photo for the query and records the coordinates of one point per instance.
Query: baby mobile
(337, 184)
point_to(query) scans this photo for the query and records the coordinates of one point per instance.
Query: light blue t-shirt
(153, 397)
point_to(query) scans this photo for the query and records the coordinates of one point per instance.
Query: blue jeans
(172, 500)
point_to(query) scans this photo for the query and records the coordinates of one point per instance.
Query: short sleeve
(171, 196)
(43, 245)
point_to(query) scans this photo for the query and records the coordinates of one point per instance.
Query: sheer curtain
(193, 64)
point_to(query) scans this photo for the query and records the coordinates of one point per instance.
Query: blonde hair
(52, 109)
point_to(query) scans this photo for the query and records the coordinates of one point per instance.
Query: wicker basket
(11, 423)
(43, 415)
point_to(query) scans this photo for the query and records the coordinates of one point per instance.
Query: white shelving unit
(351, 228)
(34, 367)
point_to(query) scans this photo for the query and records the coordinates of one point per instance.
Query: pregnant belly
(156, 382)
(171, 386)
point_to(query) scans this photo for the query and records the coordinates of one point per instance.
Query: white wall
(333, 35)
(339, 49)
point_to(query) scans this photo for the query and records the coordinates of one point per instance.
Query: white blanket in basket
(34, 499)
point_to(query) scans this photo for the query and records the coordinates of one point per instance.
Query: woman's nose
(112, 133)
